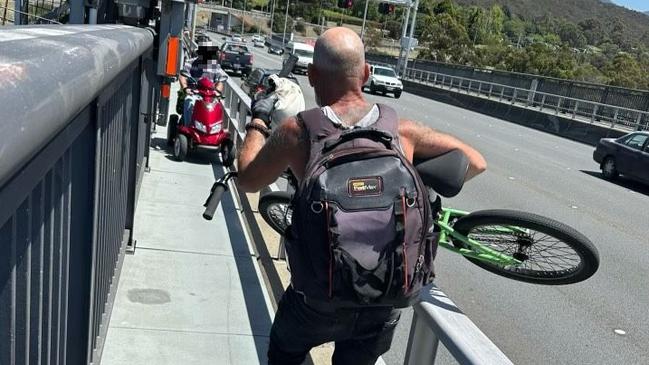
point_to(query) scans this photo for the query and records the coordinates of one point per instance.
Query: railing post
(428, 78)
(637, 121)
(468, 90)
(514, 96)
(242, 114)
(574, 111)
(558, 105)
(422, 343)
(542, 102)
(502, 93)
(480, 87)
(491, 89)
(617, 110)
(592, 117)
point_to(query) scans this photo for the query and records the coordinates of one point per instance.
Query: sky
(641, 5)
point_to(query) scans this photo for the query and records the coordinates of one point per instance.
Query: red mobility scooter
(205, 131)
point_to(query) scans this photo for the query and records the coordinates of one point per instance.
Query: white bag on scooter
(290, 100)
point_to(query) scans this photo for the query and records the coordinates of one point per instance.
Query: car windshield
(237, 48)
(384, 72)
(303, 53)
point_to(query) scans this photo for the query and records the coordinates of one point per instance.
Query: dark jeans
(361, 335)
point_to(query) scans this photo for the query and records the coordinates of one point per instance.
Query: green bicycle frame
(475, 249)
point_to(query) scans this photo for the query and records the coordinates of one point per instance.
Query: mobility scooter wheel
(172, 129)
(181, 146)
(227, 153)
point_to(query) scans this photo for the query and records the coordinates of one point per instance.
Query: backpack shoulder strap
(388, 121)
(316, 124)
(318, 129)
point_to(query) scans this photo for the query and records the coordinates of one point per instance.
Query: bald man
(337, 76)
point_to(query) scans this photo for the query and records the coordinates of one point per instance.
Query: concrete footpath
(192, 292)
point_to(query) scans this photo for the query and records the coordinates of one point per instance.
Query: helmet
(205, 84)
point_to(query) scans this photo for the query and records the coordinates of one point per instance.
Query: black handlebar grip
(213, 200)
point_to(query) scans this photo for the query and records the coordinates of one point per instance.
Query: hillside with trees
(585, 40)
(518, 36)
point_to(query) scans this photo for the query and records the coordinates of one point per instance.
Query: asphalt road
(548, 175)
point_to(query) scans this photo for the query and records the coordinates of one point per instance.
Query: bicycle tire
(272, 207)
(574, 242)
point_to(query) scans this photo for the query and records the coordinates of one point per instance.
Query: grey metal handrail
(578, 109)
(27, 71)
(74, 137)
(436, 318)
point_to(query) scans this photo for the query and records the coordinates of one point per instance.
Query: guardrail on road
(610, 116)
(576, 109)
(436, 318)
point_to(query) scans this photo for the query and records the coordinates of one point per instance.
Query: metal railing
(253, 14)
(572, 108)
(73, 146)
(436, 319)
(605, 94)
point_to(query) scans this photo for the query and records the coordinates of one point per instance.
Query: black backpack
(361, 218)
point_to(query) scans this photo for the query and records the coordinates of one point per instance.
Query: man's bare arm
(421, 141)
(262, 161)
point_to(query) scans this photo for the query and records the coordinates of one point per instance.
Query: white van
(304, 53)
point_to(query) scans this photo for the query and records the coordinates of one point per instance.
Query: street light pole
(364, 18)
(288, 2)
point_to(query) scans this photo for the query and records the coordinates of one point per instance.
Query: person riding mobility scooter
(205, 129)
(198, 124)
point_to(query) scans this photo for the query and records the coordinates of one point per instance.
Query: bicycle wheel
(275, 208)
(551, 252)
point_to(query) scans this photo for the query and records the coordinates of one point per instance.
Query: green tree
(593, 30)
(445, 7)
(445, 39)
(571, 34)
(589, 73)
(625, 71)
(514, 28)
(278, 23)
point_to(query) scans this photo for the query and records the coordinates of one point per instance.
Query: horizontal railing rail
(436, 318)
(253, 13)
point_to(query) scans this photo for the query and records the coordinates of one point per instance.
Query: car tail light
(222, 56)
(251, 58)
(259, 89)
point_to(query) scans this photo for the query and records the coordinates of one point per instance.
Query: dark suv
(257, 81)
(627, 155)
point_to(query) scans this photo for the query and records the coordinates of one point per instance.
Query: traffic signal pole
(367, 2)
(403, 35)
(412, 32)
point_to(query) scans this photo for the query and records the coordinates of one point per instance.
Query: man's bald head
(340, 52)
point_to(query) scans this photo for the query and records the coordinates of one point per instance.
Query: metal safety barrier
(576, 109)
(436, 318)
(77, 102)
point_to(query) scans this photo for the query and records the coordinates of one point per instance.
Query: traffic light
(386, 8)
(345, 4)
